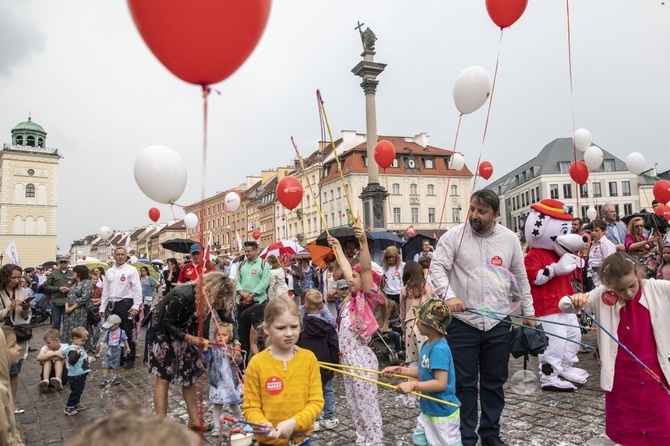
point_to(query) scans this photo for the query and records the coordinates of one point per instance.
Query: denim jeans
(329, 400)
(77, 384)
(56, 316)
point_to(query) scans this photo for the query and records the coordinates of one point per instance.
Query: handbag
(23, 332)
(92, 315)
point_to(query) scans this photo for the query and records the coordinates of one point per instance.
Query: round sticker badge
(496, 261)
(253, 271)
(274, 385)
(609, 298)
(122, 278)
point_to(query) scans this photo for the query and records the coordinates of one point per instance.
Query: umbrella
(413, 246)
(49, 264)
(145, 261)
(316, 253)
(157, 262)
(526, 341)
(651, 221)
(95, 264)
(281, 249)
(383, 240)
(152, 272)
(343, 234)
(182, 245)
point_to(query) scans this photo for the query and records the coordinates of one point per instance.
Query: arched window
(19, 140)
(430, 189)
(40, 142)
(413, 189)
(454, 189)
(30, 141)
(30, 190)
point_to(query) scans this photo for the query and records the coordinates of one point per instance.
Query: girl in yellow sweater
(283, 380)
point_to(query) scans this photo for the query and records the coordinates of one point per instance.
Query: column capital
(369, 86)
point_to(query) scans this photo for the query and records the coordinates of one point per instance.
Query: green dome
(30, 126)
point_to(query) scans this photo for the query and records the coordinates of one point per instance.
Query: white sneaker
(331, 424)
(553, 383)
(575, 375)
(317, 426)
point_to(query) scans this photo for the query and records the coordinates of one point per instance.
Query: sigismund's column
(373, 195)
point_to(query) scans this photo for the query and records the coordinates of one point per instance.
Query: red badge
(496, 261)
(397, 274)
(69, 282)
(274, 385)
(122, 278)
(253, 271)
(609, 298)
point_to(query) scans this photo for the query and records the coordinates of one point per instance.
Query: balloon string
(572, 94)
(450, 168)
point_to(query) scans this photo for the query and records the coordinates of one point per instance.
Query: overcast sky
(81, 68)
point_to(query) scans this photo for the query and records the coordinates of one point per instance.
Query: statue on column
(368, 37)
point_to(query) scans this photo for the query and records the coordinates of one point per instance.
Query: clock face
(31, 172)
(411, 163)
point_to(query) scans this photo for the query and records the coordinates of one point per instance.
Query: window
(396, 215)
(429, 163)
(584, 190)
(332, 195)
(627, 208)
(365, 160)
(339, 192)
(309, 225)
(456, 215)
(553, 191)
(325, 217)
(583, 214)
(430, 189)
(537, 193)
(532, 195)
(527, 200)
(395, 162)
(564, 166)
(30, 190)
(613, 189)
(523, 200)
(454, 189)
(608, 165)
(596, 190)
(415, 215)
(567, 191)
(413, 189)
(625, 188)
(313, 179)
(431, 215)
(395, 189)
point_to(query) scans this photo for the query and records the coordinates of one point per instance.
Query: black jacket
(320, 338)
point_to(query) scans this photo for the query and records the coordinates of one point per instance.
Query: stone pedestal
(374, 206)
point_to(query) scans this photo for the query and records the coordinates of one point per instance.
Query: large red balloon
(485, 169)
(384, 154)
(256, 234)
(201, 41)
(662, 191)
(289, 192)
(505, 12)
(663, 210)
(579, 172)
(154, 214)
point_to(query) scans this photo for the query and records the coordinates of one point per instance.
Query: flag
(239, 242)
(410, 231)
(128, 245)
(13, 253)
(208, 248)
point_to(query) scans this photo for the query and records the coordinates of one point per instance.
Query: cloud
(20, 38)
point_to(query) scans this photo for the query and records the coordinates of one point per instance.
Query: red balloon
(485, 169)
(505, 12)
(83, 257)
(154, 214)
(289, 192)
(662, 191)
(579, 172)
(663, 210)
(384, 154)
(256, 234)
(201, 42)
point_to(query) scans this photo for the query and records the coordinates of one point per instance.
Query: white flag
(13, 253)
(239, 241)
(208, 249)
(128, 245)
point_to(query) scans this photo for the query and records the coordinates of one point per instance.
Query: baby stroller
(41, 307)
(383, 344)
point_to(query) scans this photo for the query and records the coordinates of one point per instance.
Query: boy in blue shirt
(438, 424)
(111, 343)
(77, 369)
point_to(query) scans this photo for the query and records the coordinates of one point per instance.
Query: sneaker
(493, 440)
(574, 375)
(43, 386)
(215, 432)
(57, 383)
(79, 407)
(70, 411)
(331, 424)
(104, 383)
(116, 381)
(317, 426)
(555, 384)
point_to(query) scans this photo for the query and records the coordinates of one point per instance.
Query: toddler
(111, 342)
(77, 369)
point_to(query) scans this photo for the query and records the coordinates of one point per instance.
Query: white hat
(111, 320)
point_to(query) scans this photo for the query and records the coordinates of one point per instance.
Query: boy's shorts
(442, 431)
(112, 358)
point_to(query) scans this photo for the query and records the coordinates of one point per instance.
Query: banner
(13, 253)
(240, 247)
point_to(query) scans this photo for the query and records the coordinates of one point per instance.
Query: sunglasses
(639, 226)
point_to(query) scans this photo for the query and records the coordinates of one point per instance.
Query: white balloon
(582, 139)
(593, 157)
(635, 162)
(105, 233)
(591, 213)
(160, 174)
(191, 220)
(232, 201)
(471, 89)
(457, 161)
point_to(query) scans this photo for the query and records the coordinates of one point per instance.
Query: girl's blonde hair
(390, 251)
(275, 308)
(618, 265)
(224, 328)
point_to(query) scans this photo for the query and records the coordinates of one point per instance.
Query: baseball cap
(111, 320)
(63, 258)
(341, 284)
(195, 248)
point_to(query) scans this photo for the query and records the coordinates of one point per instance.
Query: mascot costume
(550, 263)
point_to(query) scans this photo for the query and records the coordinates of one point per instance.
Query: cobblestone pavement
(538, 419)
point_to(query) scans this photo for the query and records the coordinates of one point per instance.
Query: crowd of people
(271, 336)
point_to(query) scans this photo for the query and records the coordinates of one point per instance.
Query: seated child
(111, 342)
(52, 360)
(320, 337)
(311, 305)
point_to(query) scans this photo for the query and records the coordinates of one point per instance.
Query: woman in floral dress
(78, 299)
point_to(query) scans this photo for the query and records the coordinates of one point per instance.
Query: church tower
(28, 196)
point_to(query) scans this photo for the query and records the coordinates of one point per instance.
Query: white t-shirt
(45, 349)
(394, 279)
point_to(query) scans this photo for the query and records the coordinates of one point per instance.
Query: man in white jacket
(479, 344)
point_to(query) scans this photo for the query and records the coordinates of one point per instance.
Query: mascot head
(548, 226)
